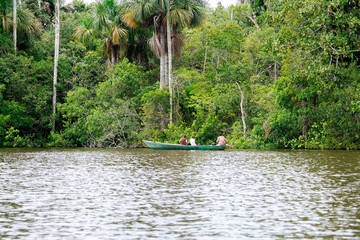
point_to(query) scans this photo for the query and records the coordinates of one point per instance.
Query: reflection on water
(140, 194)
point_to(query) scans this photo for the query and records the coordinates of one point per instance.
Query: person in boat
(183, 140)
(192, 141)
(221, 140)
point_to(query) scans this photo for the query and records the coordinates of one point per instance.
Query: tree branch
(254, 20)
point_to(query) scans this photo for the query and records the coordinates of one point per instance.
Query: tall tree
(169, 18)
(28, 27)
(56, 57)
(15, 24)
(21, 21)
(157, 13)
(5, 15)
(170, 63)
(104, 22)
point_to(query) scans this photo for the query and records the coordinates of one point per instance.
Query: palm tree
(169, 18)
(21, 21)
(56, 57)
(6, 19)
(180, 14)
(105, 23)
(28, 26)
(150, 14)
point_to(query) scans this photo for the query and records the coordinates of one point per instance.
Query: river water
(149, 194)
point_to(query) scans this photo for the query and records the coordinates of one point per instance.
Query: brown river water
(149, 194)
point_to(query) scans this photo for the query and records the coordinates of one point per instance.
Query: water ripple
(141, 194)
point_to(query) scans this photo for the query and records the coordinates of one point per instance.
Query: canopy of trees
(266, 74)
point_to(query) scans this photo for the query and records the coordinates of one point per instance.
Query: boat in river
(170, 146)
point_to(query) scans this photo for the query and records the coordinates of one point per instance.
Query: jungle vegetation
(267, 74)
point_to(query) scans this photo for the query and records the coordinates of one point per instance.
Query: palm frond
(100, 18)
(117, 34)
(145, 10)
(83, 33)
(155, 45)
(6, 21)
(107, 46)
(163, 5)
(180, 17)
(128, 17)
(177, 43)
(139, 11)
(27, 23)
(36, 27)
(198, 15)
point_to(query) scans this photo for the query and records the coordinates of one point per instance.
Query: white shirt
(192, 142)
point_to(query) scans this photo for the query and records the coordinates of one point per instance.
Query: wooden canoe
(170, 146)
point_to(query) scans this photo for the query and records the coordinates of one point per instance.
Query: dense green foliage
(297, 64)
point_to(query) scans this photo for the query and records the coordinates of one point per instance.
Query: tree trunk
(243, 114)
(162, 70)
(254, 20)
(275, 77)
(166, 68)
(113, 55)
(39, 3)
(170, 66)
(305, 121)
(162, 58)
(217, 66)
(56, 57)
(206, 51)
(15, 25)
